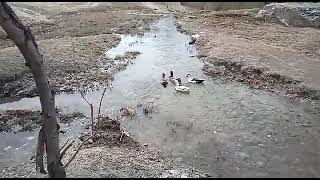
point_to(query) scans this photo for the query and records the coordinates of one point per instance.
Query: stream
(223, 128)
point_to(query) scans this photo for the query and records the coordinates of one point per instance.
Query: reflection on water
(225, 129)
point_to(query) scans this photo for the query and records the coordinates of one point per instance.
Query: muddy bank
(112, 153)
(293, 14)
(50, 21)
(108, 132)
(259, 78)
(26, 120)
(258, 52)
(19, 120)
(69, 71)
(71, 44)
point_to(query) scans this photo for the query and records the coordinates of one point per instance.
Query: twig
(84, 98)
(60, 156)
(121, 136)
(100, 104)
(65, 166)
(91, 109)
(64, 145)
(30, 174)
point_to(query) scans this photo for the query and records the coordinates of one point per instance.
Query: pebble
(260, 164)
(30, 138)
(7, 148)
(145, 144)
(184, 176)
(268, 136)
(243, 155)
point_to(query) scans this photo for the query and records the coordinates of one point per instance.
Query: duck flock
(177, 81)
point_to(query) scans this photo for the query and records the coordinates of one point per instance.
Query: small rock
(173, 171)
(30, 138)
(268, 136)
(145, 144)
(183, 176)
(7, 148)
(260, 164)
(243, 155)
(305, 125)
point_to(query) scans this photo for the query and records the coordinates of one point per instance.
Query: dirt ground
(113, 153)
(111, 162)
(257, 52)
(71, 42)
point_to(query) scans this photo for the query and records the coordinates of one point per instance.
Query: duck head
(171, 73)
(188, 75)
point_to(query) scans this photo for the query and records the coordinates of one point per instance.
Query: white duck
(194, 80)
(172, 78)
(180, 88)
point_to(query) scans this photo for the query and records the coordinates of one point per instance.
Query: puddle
(225, 129)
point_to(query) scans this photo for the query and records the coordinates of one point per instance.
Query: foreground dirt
(260, 53)
(71, 43)
(112, 153)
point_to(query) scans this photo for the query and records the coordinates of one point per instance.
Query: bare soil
(113, 153)
(260, 53)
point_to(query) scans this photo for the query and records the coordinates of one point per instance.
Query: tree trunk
(24, 40)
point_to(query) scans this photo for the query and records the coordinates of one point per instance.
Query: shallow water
(225, 129)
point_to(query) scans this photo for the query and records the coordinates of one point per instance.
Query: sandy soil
(241, 41)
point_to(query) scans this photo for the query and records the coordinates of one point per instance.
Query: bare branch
(60, 156)
(84, 98)
(92, 124)
(65, 166)
(121, 136)
(64, 145)
(91, 111)
(100, 104)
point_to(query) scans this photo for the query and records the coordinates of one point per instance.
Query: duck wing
(197, 80)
